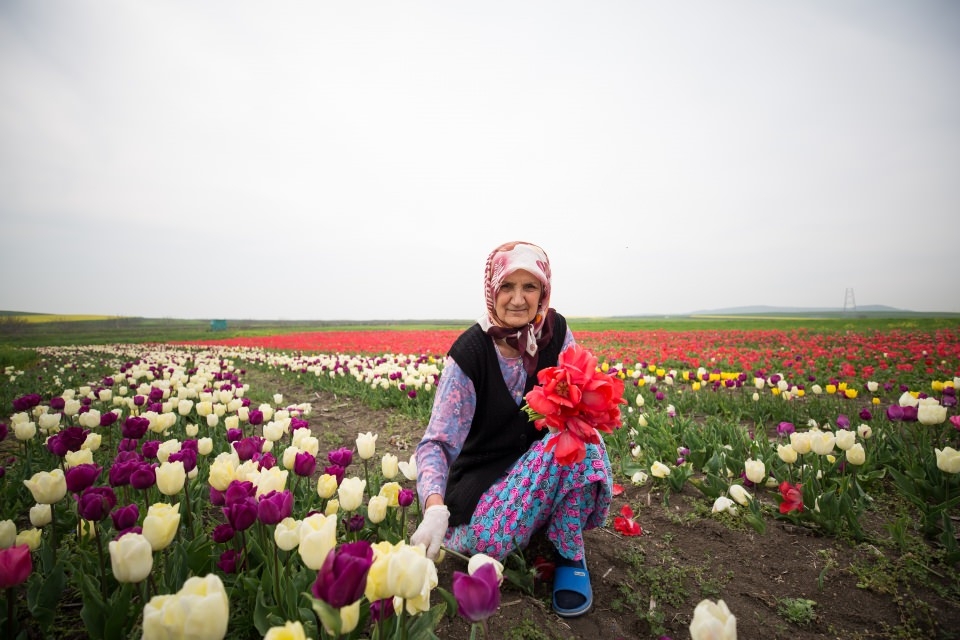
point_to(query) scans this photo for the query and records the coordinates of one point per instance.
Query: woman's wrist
(432, 499)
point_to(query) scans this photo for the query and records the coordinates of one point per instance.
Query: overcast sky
(358, 160)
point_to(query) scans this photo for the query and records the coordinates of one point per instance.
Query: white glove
(432, 529)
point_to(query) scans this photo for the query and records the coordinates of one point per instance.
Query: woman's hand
(431, 531)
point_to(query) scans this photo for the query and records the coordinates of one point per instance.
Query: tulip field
(207, 490)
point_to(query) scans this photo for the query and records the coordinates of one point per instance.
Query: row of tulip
(169, 501)
(185, 413)
(704, 426)
(177, 507)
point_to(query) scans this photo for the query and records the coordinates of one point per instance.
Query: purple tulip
(127, 444)
(149, 449)
(274, 506)
(298, 423)
(265, 460)
(134, 427)
(955, 421)
(843, 421)
(144, 476)
(192, 444)
(223, 533)
(248, 447)
(228, 561)
(478, 596)
(57, 446)
(27, 402)
(82, 477)
(784, 429)
(255, 417)
(234, 435)
(382, 610)
(95, 503)
(342, 578)
(217, 498)
(865, 414)
(341, 457)
(305, 464)
(242, 514)
(238, 491)
(337, 471)
(120, 472)
(125, 517)
(58, 403)
(108, 418)
(74, 437)
(156, 394)
(139, 400)
(909, 414)
(405, 497)
(354, 523)
(187, 456)
(894, 413)
(948, 400)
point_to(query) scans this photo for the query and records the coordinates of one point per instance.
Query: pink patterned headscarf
(503, 261)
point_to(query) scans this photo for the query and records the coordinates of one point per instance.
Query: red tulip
(15, 566)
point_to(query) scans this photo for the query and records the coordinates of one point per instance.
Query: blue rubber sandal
(572, 593)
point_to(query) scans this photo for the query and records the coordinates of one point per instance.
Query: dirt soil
(685, 554)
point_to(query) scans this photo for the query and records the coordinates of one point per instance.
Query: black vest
(501, 431)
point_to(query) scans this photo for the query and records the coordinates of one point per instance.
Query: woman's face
(518, 299)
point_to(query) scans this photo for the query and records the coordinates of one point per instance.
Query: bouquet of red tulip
(577, 400)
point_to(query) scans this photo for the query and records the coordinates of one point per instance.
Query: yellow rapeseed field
(50, 317)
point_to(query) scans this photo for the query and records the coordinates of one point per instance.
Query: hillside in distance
(766, 309)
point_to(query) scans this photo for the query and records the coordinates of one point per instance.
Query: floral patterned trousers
(537, 493)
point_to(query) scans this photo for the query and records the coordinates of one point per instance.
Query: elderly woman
(487, 479)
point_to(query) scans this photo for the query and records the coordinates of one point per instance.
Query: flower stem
(103, 577)
(11, 620)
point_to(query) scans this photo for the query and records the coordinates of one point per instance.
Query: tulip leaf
(198, 555)
(710, 486)
(43, 595)
(266, 616)
(425, 623)
(450, 600)
(118, 614)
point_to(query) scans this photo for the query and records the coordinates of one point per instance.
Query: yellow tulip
(289, 631)
(326, 486)
(201, 609)
(787, 453)
(366, 445)
(391, 491)
(47, 487)
(131, 558)
(659, 470)
(948, 460)
(171, 477)
(8, 534)
(351, 493)
(856, 455)
(318, 535)
(29, 537)
(389, 465)
(287, 534)
(377, 509)
(160, 525)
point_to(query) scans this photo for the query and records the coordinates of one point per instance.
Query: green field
(61, 330)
